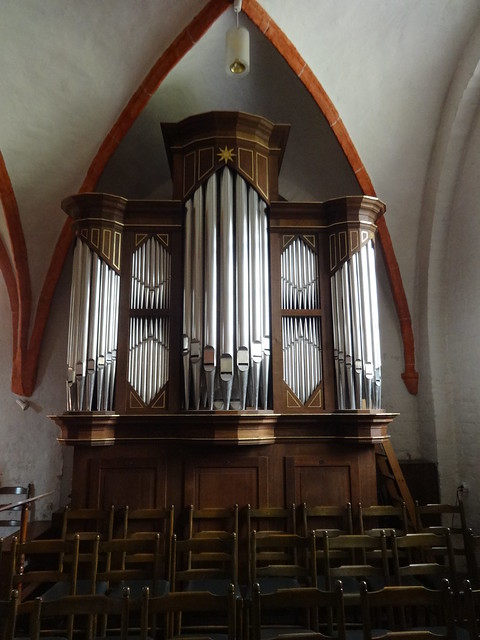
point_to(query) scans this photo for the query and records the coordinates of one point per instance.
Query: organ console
(224, 316)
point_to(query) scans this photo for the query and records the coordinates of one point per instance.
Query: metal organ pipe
(242, 293)
(356, 331)
(301, 335)
(92, 336)
(149, 349)
(210, 348)
(235, 302)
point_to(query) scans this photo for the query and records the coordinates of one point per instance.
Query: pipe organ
(224, 316)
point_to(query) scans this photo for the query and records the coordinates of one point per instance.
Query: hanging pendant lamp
(237, 47)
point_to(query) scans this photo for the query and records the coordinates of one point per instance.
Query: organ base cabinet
(219, 459)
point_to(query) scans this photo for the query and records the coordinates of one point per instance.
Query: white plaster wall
(462, 304)
(29, 450)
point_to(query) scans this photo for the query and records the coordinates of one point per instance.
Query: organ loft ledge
(223, 428)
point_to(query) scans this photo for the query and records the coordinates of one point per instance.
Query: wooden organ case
(223, 345)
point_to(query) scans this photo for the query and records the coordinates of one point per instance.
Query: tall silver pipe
(242, 297)
(187, 302)
(82, 341)
(347, 339)
(227, 288)
(377, 353)
(211, 292)
(72, 325)
(265, 279)
(197, 297)
(255, 299)
(93, 331)
(356, 329)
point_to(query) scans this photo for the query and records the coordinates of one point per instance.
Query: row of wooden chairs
(402, 612)
(277, 560)
(300, 519)
(89, 563)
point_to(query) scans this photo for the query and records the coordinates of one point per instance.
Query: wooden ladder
(392, 478)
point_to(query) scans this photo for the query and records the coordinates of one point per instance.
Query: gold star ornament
(226, 154)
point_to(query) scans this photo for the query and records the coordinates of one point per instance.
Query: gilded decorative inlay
(107, 243)
(95, 237)
(139, 238)
(226, 155)
(161, 401)
(333, 251)
(287, 240)
(292, 401)
(316, 400)
(164, 238)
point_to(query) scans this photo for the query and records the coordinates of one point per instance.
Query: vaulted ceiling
(84, 87)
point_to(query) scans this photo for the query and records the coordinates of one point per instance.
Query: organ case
(214, 316)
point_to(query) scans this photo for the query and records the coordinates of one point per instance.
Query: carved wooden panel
(223, 481)
(316, 481)
(137, 483)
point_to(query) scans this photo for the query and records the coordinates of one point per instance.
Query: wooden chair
(437, 518)
(383, 517)
(134, 563)
(424, 559)
(407, 613)
(204, 564)
(190, 614)
(147, 522)
(88, 523)
(13, 516)
(352, 559)
(305, 613)
(94, 616)
(471, 610)
(279, 561)
(8, 616)
(49, 567)
(337, 519)
(212, 522)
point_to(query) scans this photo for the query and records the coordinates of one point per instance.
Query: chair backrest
(271, 519)
(122, 561)
(281, 560)
(356, 557)
(471, 608)
(424, 557)
(334, 518)
(38, 564)
(441, 516)
(197, 562)
(8, 616)
(212, 522)
(147, 520)
(88, 522)
(437, 518)
(323, 613)
(383, 517)
(169, 612)
(406, 612)
(15, 516)
(91, 613)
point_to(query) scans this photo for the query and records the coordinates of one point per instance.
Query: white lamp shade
(238, 51)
